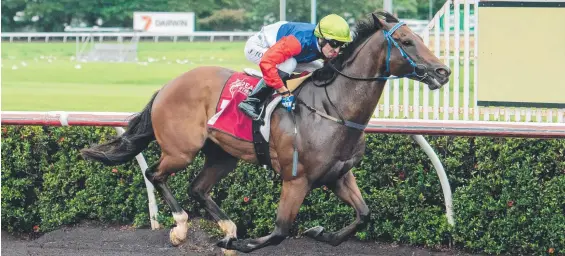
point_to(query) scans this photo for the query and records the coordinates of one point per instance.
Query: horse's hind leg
(217, 165)
(158, 174)
(345, 188)
(292, 195)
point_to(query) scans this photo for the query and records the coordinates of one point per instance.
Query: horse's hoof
(313, 232)
(229, 252)
(175, 240)
(246, 245)
(226, 243)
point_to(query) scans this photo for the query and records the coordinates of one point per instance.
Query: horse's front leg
(292, 195)
(217, 165)
(345, 188)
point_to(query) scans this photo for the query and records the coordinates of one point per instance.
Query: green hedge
(509, 194)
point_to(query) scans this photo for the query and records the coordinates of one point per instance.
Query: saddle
(261, 128)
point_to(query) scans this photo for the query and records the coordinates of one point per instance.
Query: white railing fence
(121, 36)
(416, 25)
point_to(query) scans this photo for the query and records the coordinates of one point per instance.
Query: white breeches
(256, 46)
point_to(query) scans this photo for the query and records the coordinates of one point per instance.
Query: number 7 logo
(147, 20)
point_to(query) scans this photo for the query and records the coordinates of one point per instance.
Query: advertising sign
(163, 21)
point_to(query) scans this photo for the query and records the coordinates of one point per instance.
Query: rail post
(153, 210)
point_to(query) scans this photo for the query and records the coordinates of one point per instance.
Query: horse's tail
(135, 139)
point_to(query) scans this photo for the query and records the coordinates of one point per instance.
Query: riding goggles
(334, 43)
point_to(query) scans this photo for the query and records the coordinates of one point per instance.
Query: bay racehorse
(332, 110)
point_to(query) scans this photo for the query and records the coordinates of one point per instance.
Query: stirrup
(249, 112)
(259, 119)
(251, 99)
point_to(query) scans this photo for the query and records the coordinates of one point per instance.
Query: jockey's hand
(288, 101)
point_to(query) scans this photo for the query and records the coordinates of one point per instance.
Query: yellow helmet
(333, 27)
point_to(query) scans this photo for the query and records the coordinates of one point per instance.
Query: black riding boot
(250, 106)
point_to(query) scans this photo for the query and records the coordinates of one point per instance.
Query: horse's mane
(363, 30)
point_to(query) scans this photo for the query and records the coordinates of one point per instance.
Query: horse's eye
(407, 42)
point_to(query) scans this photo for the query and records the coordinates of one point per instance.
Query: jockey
(284, 47)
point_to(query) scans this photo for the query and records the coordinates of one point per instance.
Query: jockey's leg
(309, 67)
(251, 105)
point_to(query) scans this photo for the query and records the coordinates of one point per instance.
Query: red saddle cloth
(228, 118)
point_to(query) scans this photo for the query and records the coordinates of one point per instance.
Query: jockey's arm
(287, 47)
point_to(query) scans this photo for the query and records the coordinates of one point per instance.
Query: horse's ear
(377, 21)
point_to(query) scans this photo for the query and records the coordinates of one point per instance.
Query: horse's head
(407, 55)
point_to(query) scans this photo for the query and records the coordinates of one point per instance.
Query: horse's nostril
(443, 71)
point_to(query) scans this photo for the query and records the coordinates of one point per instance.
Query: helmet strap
(324, 41)
(320, 30)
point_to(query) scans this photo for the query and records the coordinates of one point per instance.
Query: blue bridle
(390, 42)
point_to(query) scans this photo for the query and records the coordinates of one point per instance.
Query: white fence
(375, 125)
(416, 25)
(64, 36)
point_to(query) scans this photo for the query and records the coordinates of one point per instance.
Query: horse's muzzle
(438, 77)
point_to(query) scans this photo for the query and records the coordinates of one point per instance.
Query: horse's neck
(356, 100)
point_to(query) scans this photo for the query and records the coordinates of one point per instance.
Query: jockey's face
(329, 51)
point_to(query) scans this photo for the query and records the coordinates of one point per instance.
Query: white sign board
(163, 21)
